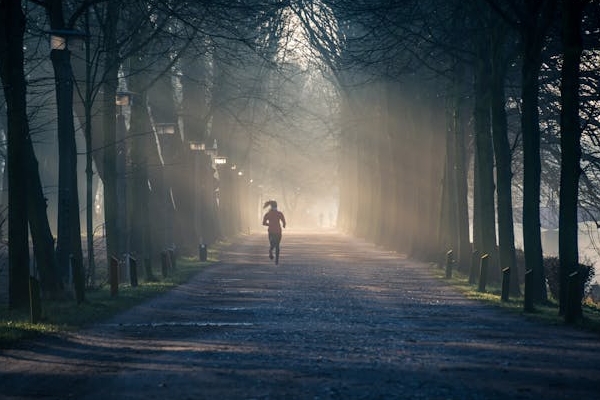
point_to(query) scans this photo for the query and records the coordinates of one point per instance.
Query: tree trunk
(69, 227)
(12, 27)
(109, 179)
(43, 241)
(447, 237)
(142, 242)
(460, 172)
(89, 173)
(502, 152)
(570, 301)
(534, 28)
(485, 161)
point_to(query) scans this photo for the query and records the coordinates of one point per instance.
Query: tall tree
(532, 19)
(111, 12)
(24, 179)
(502, 50)
(535, 20)
(570, 169)
(484, 215)
(460, 168)
(12, 28)
(69, 228)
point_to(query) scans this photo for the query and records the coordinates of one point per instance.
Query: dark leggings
(274, 240)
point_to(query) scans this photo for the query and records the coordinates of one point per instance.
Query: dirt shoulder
(337, 319)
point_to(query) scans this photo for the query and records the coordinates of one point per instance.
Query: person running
(274, 219)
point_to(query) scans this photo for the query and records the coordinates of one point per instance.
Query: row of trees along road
(437, 78)
(452, 120)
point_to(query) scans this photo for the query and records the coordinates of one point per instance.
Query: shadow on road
(337, 319)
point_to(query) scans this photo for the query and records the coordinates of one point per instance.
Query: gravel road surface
(337, 319)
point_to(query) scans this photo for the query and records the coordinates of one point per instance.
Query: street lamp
(167, 131)
(213, 150)
(60, 38)
(197, 146)
(165, 128)
(122, 99)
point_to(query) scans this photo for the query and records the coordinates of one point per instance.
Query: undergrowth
(67, 315)
(547, 312)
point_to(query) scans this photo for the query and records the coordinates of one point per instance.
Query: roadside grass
(99, 305)
(546, 313)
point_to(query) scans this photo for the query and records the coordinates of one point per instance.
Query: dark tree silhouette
(570, 134)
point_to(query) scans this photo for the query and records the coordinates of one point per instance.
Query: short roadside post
(449, 262)
(133, 279)
(202, 252)
(475, 259)
(114, 276)
(505, 283)
(483, 270)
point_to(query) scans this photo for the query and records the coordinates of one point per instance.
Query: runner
(274, 220)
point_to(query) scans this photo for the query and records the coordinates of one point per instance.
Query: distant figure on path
(274, 220)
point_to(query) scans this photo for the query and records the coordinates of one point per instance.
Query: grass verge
(66, 315)
(546, 313)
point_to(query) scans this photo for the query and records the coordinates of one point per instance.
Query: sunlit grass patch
(548, 312)
(15, 325)
(66, 315)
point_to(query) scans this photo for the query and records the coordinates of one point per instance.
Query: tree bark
(24, 178)
(69, 228)
(503, 157)
(143, 241)
(43, 241)
(109, 178)
(484, 154)
(12, 28)
(570, 170)
(533, 33)
(460, 172)
(448, 238)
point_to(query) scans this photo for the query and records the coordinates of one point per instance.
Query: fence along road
(337, 319)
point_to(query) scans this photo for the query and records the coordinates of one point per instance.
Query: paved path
(337, 319)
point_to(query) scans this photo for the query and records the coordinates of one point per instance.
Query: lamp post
(220, 160)
(197, 148)
(69, 231)
(165, 128)
(122, 100)
(166, 131)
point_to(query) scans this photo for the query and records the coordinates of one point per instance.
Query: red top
(272, 219)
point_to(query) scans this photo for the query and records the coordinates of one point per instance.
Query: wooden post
(573, 288)
(505, 283)
(528, 297)
(449, 262)
(202, 252)
(475, 260)
(483, 270)
(114, 276)
(172, 258)
(164, 263)
(133, 280)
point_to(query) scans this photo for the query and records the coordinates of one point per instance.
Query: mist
(396, 124)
